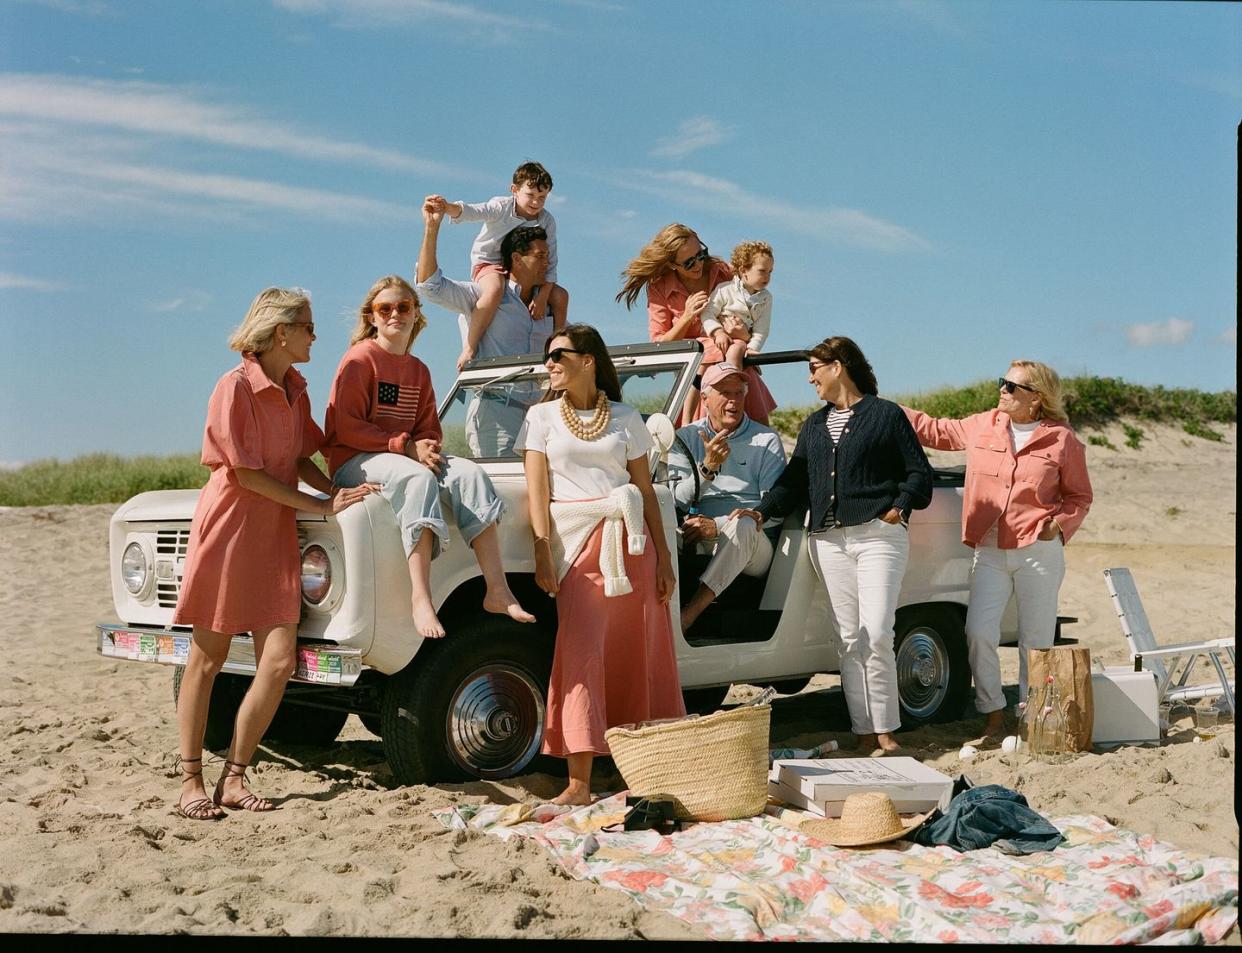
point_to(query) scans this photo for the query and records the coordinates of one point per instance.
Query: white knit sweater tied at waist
(573, 522)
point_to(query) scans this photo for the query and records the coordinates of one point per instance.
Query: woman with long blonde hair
(1027, 491)
(382, 427)
(243, 569)
(679, 274)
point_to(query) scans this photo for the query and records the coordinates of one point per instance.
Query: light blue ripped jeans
(418, 498)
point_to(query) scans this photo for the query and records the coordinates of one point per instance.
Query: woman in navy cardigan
(860, 467)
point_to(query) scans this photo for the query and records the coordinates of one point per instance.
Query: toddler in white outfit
(738, 315)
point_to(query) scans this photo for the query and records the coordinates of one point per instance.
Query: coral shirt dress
(243, 568)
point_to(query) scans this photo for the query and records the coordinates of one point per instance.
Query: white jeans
(862, 567)
(1033, 574)
(740, 546)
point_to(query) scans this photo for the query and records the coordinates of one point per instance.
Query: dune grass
(1091, 402)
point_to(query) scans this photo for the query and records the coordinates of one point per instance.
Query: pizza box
(822, 784)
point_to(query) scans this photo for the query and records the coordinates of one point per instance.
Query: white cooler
(1126, 707)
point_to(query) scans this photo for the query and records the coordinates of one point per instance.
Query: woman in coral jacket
(382, 428)
(1027, 492)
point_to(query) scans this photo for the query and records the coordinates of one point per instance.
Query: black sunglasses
(698, 256)
(557, 353)
(1008, 386)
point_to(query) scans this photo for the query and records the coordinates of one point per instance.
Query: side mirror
(662, 433)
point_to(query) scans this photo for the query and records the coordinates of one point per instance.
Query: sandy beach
(87, 774)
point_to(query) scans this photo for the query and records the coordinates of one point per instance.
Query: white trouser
(1033, 574)
(862, 567)
(740, 546)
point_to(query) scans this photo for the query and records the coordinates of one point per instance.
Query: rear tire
(473, 705)
(226, 696)
(933, 668)
(704, 701)
(295, 724)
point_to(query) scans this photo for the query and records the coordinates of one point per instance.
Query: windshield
(482, 418)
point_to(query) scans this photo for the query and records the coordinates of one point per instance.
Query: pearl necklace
(591, 429)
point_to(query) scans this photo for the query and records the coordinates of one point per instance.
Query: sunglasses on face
(557, 353)
(385, 308)
(814, 366)
(1008, 386)
(309, 325)
(698, 256)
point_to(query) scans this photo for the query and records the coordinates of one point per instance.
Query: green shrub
(98, 478)
(1197, 429)
(1134, 435)
(1099, 440)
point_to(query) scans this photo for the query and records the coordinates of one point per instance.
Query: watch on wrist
(706, 473)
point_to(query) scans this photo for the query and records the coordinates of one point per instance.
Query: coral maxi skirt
(614, 662)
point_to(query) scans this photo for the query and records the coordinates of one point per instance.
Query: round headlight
(134, 569)
(316, 574)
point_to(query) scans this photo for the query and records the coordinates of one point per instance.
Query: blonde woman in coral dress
(242, 566)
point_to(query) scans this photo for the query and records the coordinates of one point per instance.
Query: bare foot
(427, 622)
(887, 742)
(865, 744)
(505, 602)
(232, 792)
(575, 794)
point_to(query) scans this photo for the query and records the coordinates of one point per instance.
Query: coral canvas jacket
(1016, 491)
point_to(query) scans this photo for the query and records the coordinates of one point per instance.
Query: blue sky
(951, 184)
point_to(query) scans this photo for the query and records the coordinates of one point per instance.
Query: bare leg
(737, 351)
(424, 610)
(866, 743)
(491, 291)
(579, 789)
(499, 598)
(690, 407)
(995, 726)
(275, 654)
(208, 651)
(702, 598)
(558, 300)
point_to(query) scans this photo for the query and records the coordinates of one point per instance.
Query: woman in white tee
(600, 551)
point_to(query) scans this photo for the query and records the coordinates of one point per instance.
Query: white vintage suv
(472, 705)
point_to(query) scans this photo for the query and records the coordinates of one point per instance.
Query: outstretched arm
(433, 215)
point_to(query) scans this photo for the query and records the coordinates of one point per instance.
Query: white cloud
(1150, 334)
(693, 134)
(171, 112)
(93, 8)
(191, 300)
(10, 280)
(847, 225)
(355, 14)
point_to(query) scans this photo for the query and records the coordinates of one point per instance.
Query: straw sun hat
(866, 818)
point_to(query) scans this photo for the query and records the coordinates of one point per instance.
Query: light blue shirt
(512, 331)
(756, 458)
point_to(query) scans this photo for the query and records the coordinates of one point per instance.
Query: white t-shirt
(1020, 434)
(584, 469)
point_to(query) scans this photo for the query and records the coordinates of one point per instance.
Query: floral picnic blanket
(760, 879)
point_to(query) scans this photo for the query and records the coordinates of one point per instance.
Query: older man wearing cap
(737, 460)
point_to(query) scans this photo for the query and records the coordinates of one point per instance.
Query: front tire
(473, 705)
(933, 668)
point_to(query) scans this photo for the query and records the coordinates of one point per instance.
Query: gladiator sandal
(251, 802)
(200, 809)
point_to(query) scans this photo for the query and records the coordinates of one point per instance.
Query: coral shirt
(379, 401)
(1014, 491)
(666, 300)
(243, 569)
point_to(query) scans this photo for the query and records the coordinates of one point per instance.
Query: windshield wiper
(503, 378)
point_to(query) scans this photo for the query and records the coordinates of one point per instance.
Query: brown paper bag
(1070, 666)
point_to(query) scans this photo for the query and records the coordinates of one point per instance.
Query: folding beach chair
(1164, 661)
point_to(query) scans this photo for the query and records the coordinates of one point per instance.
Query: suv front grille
(170, 546)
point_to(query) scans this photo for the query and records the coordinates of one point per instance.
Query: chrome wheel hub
(495, 721)
(922, 672)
